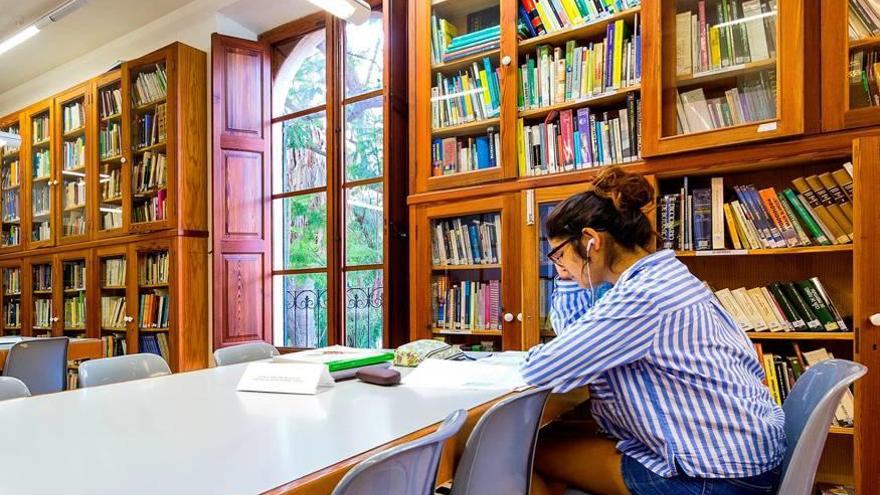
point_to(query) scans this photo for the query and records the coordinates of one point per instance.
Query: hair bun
(628, 192)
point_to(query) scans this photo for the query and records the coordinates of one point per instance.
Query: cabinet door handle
(505, 60)
(875, 319)
(519, 317)
(508, 317)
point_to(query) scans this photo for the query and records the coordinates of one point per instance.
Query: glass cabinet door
(41, 178)
(111, 159)
(11, 300)
(73, 278)
(42, 315)
(74, 170)
(10, 192)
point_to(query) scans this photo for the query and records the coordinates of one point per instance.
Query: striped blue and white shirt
(670, 373)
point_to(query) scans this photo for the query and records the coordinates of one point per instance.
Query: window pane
(364, 221)
(364, 124)
(301, 309)
(301, 77)
(300, 155)
(364, 56)
(363, 308)
(301, 238)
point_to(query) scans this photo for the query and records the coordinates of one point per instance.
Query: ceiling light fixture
(353, 11)
(46, 19)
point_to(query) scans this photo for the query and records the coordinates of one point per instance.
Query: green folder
(347, 364)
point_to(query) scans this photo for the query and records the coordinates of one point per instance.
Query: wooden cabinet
(11, 187)
(10, 295)
(38, 148)
(115, 291)
(75, 134)
(850, 95)
(111, 206)
(40, 306)
(720, 73)
(465, 266)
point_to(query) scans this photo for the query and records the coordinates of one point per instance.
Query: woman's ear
(591, 239)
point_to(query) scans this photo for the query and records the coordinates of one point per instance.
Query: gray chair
(12, 388)
(409, 469)
(40, 363)
(499, 453)
(243, 353)
(121, 369)
(809, 409)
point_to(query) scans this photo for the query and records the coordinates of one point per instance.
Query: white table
(192, 433)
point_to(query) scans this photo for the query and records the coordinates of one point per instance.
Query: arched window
(329, 208)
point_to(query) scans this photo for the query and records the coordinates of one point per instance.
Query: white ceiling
(94, 23)
(260, 16)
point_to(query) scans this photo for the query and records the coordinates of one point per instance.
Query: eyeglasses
(555, 254)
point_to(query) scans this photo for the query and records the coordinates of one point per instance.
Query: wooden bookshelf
(10, 298)
(586, 30)
(757, 336)
(609, 98)
(836, 248)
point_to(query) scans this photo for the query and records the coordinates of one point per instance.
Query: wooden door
(74, 133)
(242, 236)
(11, 277)
(11, 187)
(41, 175)
(111, 207)
(112, 276)
(74, 292)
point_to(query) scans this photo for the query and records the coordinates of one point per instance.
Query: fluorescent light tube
(353, 11)
(18, 38)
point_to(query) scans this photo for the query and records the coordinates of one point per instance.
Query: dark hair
(612, 204)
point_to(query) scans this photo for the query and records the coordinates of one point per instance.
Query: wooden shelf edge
(864, 42)
(487, 266)
(842, 430)
(837, 248)
(465, 61)
(484, 333)
(725, 72)
(801, 335)
(615, 96)
(592, 28)
(465, 129)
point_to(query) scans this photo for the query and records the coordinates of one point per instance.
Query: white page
(284, 378)
(469, 375)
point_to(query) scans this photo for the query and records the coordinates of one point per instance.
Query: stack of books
(151, 209)
(455, 155)
(783, 307)
(11, 281)
(75, 311)
(580, 140)
(753, 99)
(74, 153)
(111, 102)
(150, 86)
(816, 211)
(471, 96)
(724, 33)
(114, 345)
(151, 127)
(465, 305)
(467, 241)
(154, 343)
(483, 34)
(12, 314)
(113, 312)
(470, 44)
(547, 16)
(40, 129)
(553, 76)
(113, 273)
(154, 310)
(154, 269)
(150, 173)
(74, 117)
(42, 313)
(110, 140)
(864, 19)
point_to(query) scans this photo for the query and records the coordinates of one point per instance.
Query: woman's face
(569, 265)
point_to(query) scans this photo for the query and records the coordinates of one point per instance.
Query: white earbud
(589, 275)
(590, 246)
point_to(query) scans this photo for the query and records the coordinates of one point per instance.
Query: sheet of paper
(506, 358)
(472, 375)
(285, 378)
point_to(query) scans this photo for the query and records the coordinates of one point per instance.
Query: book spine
(817, 304)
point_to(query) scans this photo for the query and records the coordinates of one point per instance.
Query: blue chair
(499, 453)
(409, 469)
(121, 369)
(40, 363)
(244, 353)
(809, 409)
(12, 388)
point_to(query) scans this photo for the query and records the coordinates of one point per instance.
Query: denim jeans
(642, 481)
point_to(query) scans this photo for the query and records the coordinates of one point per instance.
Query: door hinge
(530, 207)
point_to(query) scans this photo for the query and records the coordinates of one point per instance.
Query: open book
(337, 357)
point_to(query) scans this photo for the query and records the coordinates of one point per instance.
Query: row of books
(114, 345)
(41, 199)
(800, 306)
(74, 193)
(11, 204)
(111, 218)
(72, 376)
(113, 272)
(466, 305)
(42, 164)
(111, 102)
(864, 70)
(75, 311)
(150, 86)
(11, 281)
(40, 128)
(735, 32)
(111, 182)
(753, 99)
(12, 314)
(10, 175)
(151, 128)
(455, 155)
(113, 312)
(864, 19)
(73, 223)
(151, 209)
(155, 344)
(472, 95)
(817, 211)
(42, 313)
(11, 236)
(548, 16)
(110, 140)
(154, 310)
(582, 140)
(154, 268)
(74, 153)
(74, 275)
(467, 241)
(783, 371)
(553, 76)
(150, 173)
(42, 277)
(447, 45)
(41, 231)
(74, 116)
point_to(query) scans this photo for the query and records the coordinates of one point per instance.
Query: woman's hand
(563, 273)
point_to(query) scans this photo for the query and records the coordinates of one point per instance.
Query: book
(337, 357)
(846, 409)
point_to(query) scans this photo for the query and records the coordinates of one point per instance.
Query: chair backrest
(809, 409)
(499, 453)
(12, 388)
(121, 369)
(40, 363)
(244, 353)
(409, 469)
